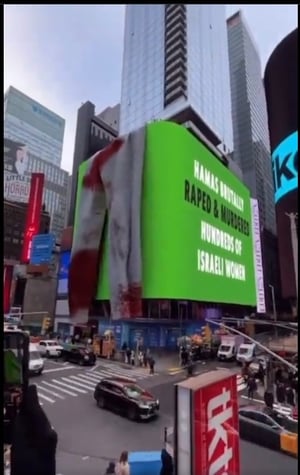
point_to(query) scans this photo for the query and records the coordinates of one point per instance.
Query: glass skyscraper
(30, 123)
(175, 66)
(250, 122)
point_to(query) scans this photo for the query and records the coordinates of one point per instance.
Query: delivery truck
(229, 347)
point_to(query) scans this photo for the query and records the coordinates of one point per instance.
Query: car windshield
(243, 351)
(51, 343)
(224, 348)
(34, 355)
(133, 391)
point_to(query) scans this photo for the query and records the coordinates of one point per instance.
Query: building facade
(15, 219)
(175, 67)
(19, 164)
(281, 84)
(251, 138)
(92, 134)
(30, 123)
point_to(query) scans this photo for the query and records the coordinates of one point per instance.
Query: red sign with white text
(216, 428)
(33, 215)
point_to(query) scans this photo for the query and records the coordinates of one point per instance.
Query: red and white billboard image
(33, 215)
(207, 430)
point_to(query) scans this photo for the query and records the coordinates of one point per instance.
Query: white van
(246, 353)
(36, 363)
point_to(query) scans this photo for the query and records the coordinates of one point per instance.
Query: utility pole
(294, 238)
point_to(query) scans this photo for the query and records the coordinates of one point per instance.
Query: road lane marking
(60, 389)
(48, 399)
(85, 380)
(116, 368)
(95, 378)
(53, 370)
(85, 386)
(49, 391)
(110, 374)
(56, 381)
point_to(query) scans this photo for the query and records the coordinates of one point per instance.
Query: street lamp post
(274, 305)
(294, 238)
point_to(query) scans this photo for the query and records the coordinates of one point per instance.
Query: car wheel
(47, 354)
(101, 402)
(81, 363)
(132, 414)
(40, 372)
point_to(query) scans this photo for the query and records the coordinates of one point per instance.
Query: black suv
(80, 355)
(126, 398)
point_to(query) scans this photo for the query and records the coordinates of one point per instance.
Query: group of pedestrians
(142, 357)
(285, 385)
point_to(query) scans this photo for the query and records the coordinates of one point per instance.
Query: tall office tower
(33, 141)
(93, 133)
(32, 124)
(175, 67)
(251, 134)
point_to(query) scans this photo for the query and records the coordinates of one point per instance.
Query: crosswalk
(61, 387)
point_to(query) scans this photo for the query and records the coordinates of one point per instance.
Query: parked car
(36, 363)
(49, 348)
(265, 426)
(127, 398)
(79, 354)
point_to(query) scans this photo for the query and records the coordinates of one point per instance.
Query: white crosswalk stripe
(84, 382)
(70, 393)
(56, 381)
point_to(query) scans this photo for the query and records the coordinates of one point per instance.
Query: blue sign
(42, 249)
(63, 272)
(64, 264)
(285, 166)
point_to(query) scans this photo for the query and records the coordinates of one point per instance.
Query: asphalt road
(90, 437)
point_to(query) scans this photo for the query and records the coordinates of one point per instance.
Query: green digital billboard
(195, 222)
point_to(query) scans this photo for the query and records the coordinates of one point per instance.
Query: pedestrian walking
(145, 359)
(122, 467)
(280, 393)
(251, 385)
(151, 365)
(141, 358)
(128, 354)
(290, 396)
(269, 399)
(132, 358)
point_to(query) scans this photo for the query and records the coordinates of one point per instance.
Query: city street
(90, 437)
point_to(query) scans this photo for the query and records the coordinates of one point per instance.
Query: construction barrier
(289, 443)
(144, 463)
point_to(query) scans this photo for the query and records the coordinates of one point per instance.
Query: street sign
(42, 249)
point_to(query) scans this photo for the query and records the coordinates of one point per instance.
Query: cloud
(64, 55)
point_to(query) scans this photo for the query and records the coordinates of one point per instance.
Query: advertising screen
(63, 273)
(196, 224)
(281, 86)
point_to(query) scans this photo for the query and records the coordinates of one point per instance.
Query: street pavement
(88, 437)
(62, 381)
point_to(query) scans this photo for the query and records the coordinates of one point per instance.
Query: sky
(64, 55)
